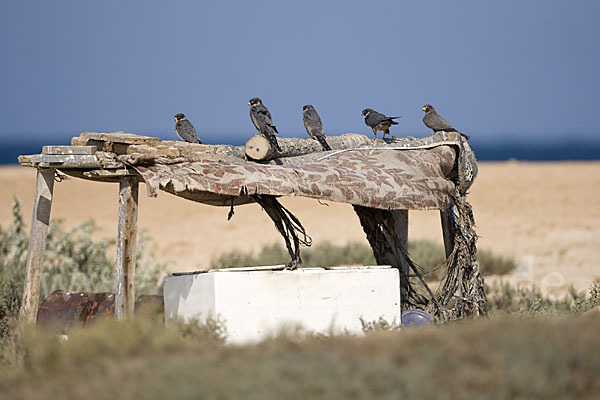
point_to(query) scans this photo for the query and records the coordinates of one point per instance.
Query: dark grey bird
(314, 126)
(378, 121)
(261, 118)
(185, 130)
(436, 122)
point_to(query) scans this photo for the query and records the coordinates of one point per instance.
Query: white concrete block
(256, 302)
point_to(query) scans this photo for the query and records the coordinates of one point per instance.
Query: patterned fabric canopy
(379, 177)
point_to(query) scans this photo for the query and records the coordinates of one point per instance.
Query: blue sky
(495, 70)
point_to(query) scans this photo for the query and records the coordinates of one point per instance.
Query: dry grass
(498, 358)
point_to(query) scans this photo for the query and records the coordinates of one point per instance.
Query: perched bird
(378, 121)
(436, 122)
(261, 118)
(185, 130)
(313, 125)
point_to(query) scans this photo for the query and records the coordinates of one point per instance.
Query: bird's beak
(424, 108)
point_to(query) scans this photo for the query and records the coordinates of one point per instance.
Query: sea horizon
(504, 149)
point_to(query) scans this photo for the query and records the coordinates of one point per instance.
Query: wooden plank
(120, 137)
(126, 247)
(78, 141)
(158, 150)
(60, 161)
(447, 231)
(26, 161)
(110, 173)
(42, 203)
(64, 160)
(79, 150)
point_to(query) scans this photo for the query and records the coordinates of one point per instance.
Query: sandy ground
(546, 215)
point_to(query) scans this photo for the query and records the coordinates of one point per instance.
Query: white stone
(255, 303)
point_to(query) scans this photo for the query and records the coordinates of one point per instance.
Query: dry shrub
(494, 358)
(74, 260)
(425, 253)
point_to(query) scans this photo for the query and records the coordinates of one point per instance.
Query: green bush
(427, 254)
(505, 298)
(73, 261)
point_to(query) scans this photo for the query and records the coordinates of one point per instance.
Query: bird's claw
(293, 265)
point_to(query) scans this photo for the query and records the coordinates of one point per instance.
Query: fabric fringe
(288, 225)
(461, 293)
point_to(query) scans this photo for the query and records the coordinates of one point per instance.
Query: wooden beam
(58, 161)
(447, 231)
(126, 248)
(401, 226)
(42, 203)
(81, 150)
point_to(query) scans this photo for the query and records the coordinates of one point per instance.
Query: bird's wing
(315, 116)
(186, 131)
(267, 117)
(313, 119)
(375, 118)
(255, 117)
(312, 130)
(445, 124)
(436, 122)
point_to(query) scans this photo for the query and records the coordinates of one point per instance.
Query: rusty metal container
(65, 310)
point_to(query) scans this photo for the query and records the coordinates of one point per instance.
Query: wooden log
(258, 148)
(42, 203)
(126, 248)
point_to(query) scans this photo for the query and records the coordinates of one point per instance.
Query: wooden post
(126, 248)
(40, 220)
(401, 226)
(401, 229)
(447, 231)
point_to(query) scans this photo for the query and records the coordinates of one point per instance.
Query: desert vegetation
(531, 346)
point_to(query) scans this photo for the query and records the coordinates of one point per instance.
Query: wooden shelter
(383, 180)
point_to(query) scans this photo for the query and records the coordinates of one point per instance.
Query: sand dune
(546, 215)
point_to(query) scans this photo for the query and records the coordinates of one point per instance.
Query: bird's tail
(273, 140)
(324, 143)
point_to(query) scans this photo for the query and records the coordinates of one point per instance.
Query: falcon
(436, 122)
(313, 125)
(261, 118)
(378, 121)
(185, 130)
